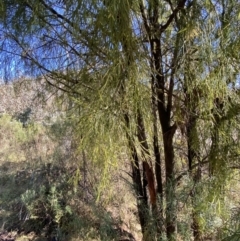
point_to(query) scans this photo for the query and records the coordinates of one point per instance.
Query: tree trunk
(136, 176)
(155, 32)
(158, 213)
(164, 111)
(170, 185)
(164, 108)
(147, 165)
(192, 155)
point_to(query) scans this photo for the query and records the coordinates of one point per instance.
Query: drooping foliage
(160, 77)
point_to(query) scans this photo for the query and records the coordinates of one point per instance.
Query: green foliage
(14, 137)
(54, 196)
(172, 63)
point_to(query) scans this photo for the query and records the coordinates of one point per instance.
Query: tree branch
(180, 5)
(145, 21)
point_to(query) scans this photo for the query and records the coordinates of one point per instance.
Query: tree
(147, 69)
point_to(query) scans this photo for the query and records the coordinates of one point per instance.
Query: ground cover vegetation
(137, 136)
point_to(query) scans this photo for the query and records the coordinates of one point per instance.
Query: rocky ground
(5, 236)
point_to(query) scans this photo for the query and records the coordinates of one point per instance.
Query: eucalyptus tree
(142, 73)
